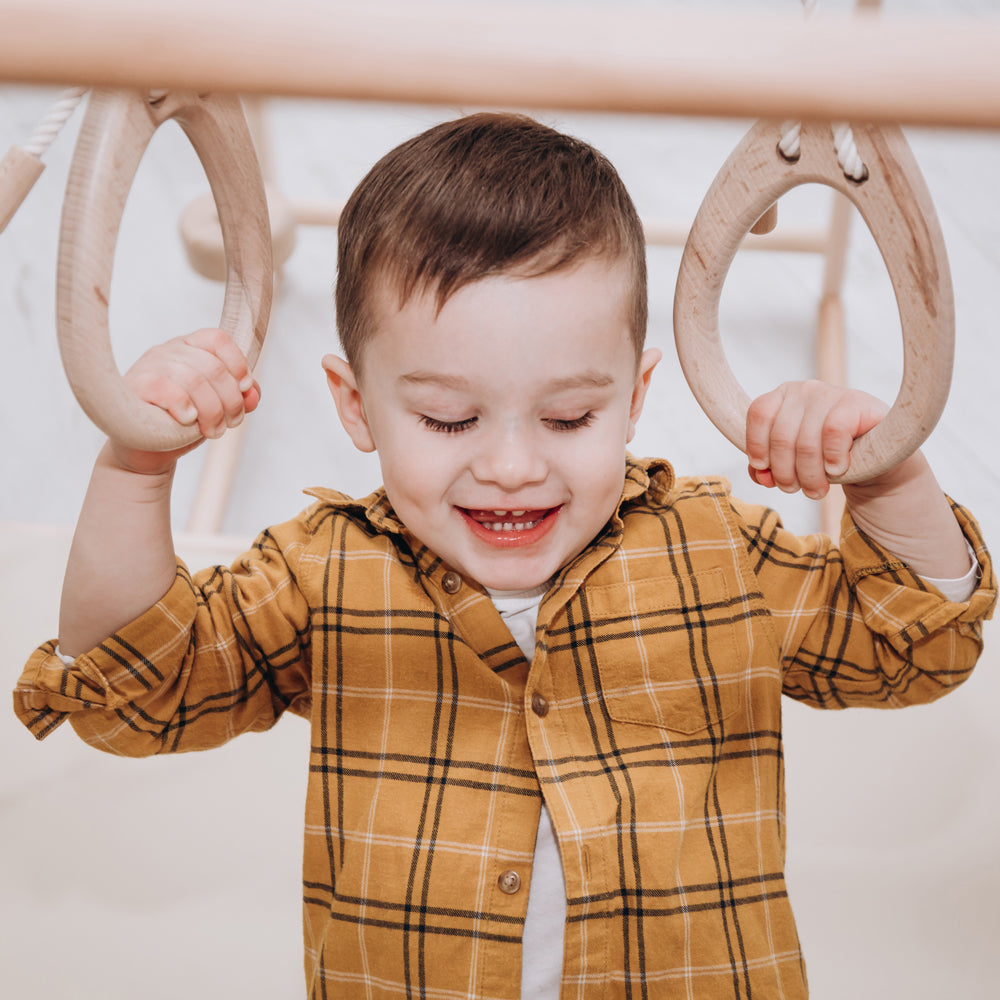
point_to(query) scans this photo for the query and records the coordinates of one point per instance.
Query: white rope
(847, 152)
(789, 142)
(51, 125)
(21, 166)
(57, 116)
(843, 137)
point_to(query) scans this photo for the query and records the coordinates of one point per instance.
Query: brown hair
(475, 197)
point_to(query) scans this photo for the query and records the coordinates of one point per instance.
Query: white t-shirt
(542, 953)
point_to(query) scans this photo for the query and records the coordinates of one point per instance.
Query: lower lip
(512, 539)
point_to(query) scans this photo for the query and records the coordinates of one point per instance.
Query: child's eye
(447, 426)
(570, 425)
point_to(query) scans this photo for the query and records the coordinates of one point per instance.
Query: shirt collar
(375, 507)
(653, 476)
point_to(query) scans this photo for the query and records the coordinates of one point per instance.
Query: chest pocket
(672, 654)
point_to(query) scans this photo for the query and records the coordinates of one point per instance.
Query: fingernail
(247, 384)
(189, 415)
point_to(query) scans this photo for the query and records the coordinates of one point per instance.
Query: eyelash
(445, 426)
(571, 425)
(457, 426)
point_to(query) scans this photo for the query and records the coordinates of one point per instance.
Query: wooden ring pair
(114, 135)
(893, 201)
(897, 207)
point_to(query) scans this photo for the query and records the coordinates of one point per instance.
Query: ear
(649, 360)
(343, 386)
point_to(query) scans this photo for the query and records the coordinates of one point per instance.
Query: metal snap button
(509, 882)
(539, 705)
(451, 582)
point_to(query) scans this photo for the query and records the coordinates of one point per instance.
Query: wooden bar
(738, 63)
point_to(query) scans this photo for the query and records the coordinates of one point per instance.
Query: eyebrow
(589, 379)
(585, 380)
(456, 382)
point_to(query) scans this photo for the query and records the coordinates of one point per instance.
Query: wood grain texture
(113, 137)
(929, 70)
(896, 206)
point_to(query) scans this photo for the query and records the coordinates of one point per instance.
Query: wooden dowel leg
(835, 252)
(255, 108)
(18, 172)
(831, 364)
(831, 340)
(215, 483)
(831, 343)
(831, 353)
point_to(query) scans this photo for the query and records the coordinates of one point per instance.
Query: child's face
(501, 422)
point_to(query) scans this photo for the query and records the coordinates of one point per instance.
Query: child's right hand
(202, 379)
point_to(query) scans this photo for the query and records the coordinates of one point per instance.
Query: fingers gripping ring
(896, 205)
(114, 135)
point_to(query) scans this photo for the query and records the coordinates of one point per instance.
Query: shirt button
(451, 582)
(509, 882)
(539, 705)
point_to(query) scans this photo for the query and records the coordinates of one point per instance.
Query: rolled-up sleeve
(856, 626)
(223, 652)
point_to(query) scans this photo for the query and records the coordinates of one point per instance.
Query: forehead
(505, 335)
(591, 295)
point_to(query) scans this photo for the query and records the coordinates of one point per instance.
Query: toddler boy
(543, 678)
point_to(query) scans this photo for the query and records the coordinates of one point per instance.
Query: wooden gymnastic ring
(114, 135)
(896, 206)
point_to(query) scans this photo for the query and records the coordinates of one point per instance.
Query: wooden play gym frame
(856, 67)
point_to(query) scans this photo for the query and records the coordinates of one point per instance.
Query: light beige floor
(173, 878)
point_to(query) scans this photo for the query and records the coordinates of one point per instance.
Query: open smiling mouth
(510, 527)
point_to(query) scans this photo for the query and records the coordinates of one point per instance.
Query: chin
(515, 579)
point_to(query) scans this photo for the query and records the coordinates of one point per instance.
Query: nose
(509, 459)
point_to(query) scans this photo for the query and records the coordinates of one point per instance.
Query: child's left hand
(801, 433)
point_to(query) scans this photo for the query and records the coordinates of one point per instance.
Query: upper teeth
(512, 513)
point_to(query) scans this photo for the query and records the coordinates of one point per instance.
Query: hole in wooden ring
(858, 181)
(788, 157)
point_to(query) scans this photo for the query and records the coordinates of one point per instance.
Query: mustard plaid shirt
(649, 719)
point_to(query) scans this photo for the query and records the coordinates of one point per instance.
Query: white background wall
(179, 877)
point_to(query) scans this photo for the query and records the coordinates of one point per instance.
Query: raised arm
(801, 433)
(122, 559)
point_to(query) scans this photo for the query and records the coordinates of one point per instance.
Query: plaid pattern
(649, 720)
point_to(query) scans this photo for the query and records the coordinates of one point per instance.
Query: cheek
(418, 466)
(606, 446)
(596, 466)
